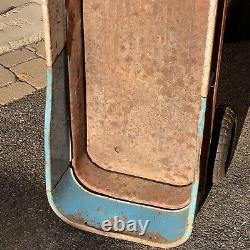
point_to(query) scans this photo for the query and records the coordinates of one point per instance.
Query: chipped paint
(71, 199)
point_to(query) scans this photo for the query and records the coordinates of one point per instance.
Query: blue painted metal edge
(72, 211)
(47, 123)
(201, 122)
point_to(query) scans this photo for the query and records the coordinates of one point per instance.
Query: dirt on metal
(152, 237)
(144, 66)
(135, 71)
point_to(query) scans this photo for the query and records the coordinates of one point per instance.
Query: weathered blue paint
(72, 201)
(57, 150)
(201, 122)
(47, 130)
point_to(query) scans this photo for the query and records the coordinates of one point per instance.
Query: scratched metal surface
(114, 184)
(144, 62)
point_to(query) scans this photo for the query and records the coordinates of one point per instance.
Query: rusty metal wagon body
(130, 102)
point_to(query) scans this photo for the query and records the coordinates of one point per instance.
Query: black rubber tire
(225, 129)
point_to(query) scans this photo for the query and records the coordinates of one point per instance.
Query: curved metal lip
(82, 215)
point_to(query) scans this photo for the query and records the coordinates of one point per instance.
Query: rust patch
(144, 65)
(77, 218)
(125, 187)
(142, 97)
(153, 237)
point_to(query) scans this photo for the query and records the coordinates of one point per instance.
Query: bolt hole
(117, 150)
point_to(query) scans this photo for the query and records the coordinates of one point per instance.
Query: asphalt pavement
(27, 221)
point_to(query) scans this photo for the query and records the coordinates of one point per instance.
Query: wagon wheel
(222, 142)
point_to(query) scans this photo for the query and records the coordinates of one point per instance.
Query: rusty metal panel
(133, 189)
(97, 179)
(144, 65)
